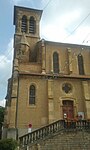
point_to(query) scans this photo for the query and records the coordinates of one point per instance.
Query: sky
(62, 21)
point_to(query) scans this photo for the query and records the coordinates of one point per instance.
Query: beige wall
(64, 58)
(49, 108)
(38, 114)
(49, 93)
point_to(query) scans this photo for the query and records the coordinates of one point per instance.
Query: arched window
(32, 93)
(24, 24)
(32, 25)
(80, 64)
(55, 62)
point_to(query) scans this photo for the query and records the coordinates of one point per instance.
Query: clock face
(67, 87)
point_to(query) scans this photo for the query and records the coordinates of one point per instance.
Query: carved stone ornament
(67, 87)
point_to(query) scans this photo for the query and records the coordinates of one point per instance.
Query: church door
(68, 112)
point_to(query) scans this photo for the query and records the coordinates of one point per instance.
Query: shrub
(8, 144)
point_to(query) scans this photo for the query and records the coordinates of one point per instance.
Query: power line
(77, 26)
(47, 4)
(86, 38)
(6, 55)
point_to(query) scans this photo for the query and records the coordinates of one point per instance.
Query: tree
(1, 114)
(1, 119)
(8, 144)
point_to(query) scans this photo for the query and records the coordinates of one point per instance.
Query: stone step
(66, 141)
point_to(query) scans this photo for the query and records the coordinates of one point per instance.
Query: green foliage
(8, 144)
(1, 114)
(1, 119)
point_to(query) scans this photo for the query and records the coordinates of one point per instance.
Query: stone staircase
(60, 135)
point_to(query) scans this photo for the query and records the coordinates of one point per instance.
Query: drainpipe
(16, 76)
(17, 105)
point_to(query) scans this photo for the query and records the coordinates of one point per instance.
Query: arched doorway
(68, 109)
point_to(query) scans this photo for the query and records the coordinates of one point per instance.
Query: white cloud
(5, 69)
(80, 36)
(61, 26)
(66, 22)
(51, 32)
(69, 26)
(6, 61)
(2, 102)
(10, 49)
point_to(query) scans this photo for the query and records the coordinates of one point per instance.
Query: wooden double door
(68, 109)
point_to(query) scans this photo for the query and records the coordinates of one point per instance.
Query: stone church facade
(50, 80)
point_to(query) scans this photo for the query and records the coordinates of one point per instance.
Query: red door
(68, 112)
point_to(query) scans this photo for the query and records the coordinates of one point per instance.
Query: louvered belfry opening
(24, 24)
(32, 25)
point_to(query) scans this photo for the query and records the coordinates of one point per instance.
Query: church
(50, 80)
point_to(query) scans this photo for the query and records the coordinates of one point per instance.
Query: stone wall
(66, 140)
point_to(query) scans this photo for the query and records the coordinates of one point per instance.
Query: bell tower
(27, 21)
(27, 34)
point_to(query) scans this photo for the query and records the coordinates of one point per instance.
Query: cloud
(66, 24)
(6, 60)
(2, 102)
(10, 49)
(5, 66)
(5, 69)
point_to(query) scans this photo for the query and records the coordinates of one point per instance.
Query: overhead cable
(47, 4)
(77, 26)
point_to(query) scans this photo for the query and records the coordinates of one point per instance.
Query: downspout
(16, 76)
(17, 106)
